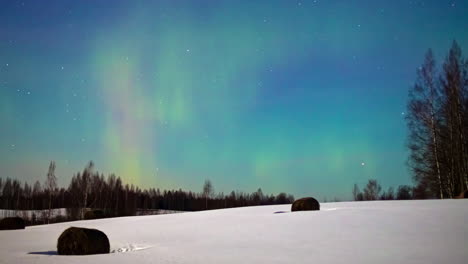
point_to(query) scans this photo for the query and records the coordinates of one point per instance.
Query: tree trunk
(436, 153)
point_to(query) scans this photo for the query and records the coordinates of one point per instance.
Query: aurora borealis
(306, 97)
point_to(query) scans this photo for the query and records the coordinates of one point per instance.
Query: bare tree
(390, 194)
(37, 189)
(207, 191)
(423, 125)
(404, 192)
(51, 186)
(372, 190)
(438, 127)
(454, 82)
(356, 192)
(85, 186)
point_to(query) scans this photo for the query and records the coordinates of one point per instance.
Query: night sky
(306, 97)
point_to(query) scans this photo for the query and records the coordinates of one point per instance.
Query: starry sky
(306, 97)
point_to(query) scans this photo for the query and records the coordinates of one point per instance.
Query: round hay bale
(94, 214)
(305, 204)
(82, 241)
(12, 223)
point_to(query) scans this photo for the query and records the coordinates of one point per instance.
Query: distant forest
(373, 191)
(91, 190)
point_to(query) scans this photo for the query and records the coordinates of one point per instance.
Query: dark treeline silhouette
(437, 120)
(373, 191)
(90, 189)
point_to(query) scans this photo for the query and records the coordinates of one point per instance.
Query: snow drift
(433, 231)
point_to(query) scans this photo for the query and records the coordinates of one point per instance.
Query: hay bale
(12, 223)
(94, 214)
(305, 204)
(82, 241)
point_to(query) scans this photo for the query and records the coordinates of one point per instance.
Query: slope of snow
(355, 232)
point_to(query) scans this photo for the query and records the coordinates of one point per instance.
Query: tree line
(373, 191)
(90, 189)
(437, 120)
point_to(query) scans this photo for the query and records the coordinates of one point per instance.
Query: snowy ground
(355, 232)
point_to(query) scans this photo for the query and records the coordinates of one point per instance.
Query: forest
(91, 190)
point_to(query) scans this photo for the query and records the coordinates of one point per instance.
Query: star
(188, 50)
(63, 67)
(363, 164)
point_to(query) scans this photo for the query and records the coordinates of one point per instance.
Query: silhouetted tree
(390, 194)
(438, 126)
(404, 192)
(372, 190)
(424, 126)
(51, 185)
(454, 87)
(356, 192)
(207, 191)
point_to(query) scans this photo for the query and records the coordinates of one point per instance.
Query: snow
(431, 231)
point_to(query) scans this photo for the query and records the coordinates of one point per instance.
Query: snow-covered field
(352, 232)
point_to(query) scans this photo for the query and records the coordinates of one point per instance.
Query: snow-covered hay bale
(11, 223)
(94, 214)
(82, 241)
(305, 204)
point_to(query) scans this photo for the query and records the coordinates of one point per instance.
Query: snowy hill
(354, 232)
